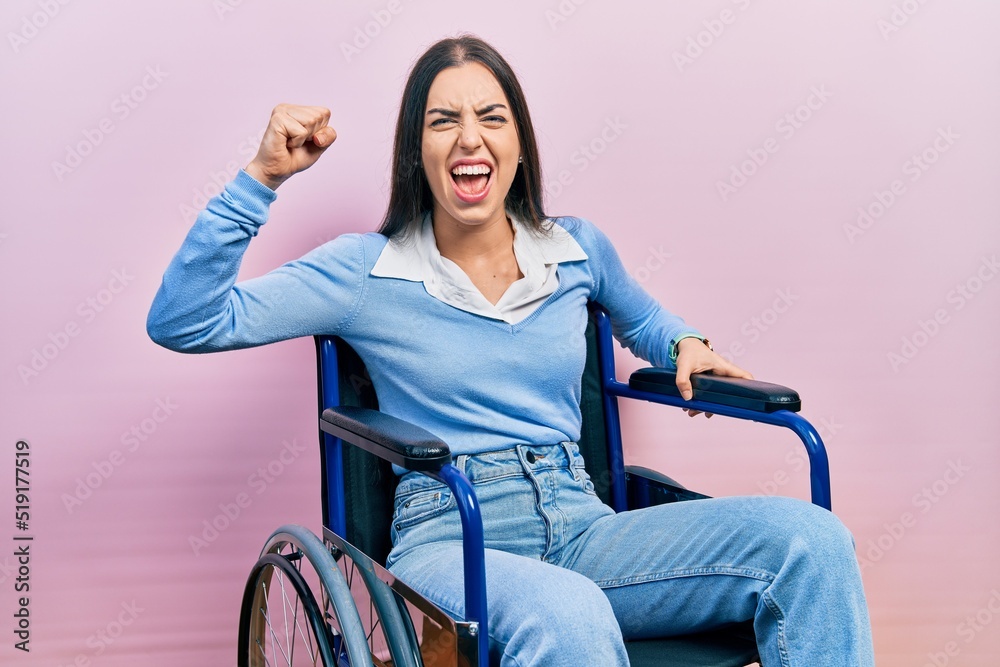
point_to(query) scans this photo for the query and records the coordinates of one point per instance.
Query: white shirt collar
(418, 259)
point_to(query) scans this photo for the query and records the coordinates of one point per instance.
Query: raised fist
(295, 138)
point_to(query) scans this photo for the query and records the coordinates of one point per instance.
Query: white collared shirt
(419, 260)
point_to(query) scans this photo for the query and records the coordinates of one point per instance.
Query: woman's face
(470, 146)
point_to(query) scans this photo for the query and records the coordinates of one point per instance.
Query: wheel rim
(286, 627)
(321, 578)
(293, 554)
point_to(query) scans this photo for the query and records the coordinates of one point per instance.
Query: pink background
(768, 272)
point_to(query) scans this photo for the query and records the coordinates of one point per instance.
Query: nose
(469, 137)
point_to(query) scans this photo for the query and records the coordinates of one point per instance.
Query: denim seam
(780, 622)
(510, 656)
(688, 572)
(401, 524)
(558, 541)
(430, 497)
(475, 479)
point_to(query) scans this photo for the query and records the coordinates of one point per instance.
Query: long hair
(411, 197)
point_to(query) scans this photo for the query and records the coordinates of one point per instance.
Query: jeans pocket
(420, 506)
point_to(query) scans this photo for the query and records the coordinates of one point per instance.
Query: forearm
(639, 322)
(650, 337)
(196, 296)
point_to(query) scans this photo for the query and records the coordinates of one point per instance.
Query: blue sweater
(477, 383)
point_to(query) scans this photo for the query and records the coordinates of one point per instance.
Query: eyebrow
(454, 114)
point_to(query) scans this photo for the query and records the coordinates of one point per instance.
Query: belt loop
(569, 460)
(460, 462)
(520, 452)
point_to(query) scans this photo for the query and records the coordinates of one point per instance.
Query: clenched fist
(295, 138)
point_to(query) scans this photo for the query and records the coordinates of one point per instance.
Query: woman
(469, 310)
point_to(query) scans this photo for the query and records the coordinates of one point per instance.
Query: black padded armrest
(387, 437)
(734, 392)
(645, 487)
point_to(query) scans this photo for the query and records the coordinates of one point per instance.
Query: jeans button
(530, 456)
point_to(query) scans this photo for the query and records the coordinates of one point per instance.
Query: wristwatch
(672, 350)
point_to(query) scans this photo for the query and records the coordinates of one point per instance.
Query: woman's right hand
(295, 138)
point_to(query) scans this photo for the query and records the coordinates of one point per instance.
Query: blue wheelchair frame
(437, 464)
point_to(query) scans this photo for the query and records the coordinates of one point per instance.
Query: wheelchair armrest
(387, 437)
(735, 392)
(645, 487)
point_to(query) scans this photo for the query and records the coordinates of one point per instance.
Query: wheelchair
(329, 601)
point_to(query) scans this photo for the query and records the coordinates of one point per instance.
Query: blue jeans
(568, 579)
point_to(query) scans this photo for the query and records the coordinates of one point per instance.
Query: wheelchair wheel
(392, 637)
(281, 623)
(297, 608)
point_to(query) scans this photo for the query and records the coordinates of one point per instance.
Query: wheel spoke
(306, 636)
(294, 557)
(270, 627)
(263, 652)
(284, 615)
(312, 623)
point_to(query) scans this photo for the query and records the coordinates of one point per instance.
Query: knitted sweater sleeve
(200, 308)
(638, 321)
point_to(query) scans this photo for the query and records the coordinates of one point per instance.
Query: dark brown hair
(410, 197)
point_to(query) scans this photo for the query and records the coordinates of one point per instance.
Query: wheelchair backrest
(369, 482)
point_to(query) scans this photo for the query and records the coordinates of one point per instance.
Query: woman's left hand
(693, 356)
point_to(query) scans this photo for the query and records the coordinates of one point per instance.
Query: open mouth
(471, 181)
